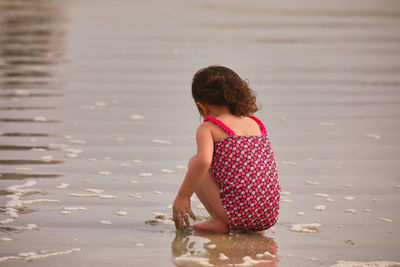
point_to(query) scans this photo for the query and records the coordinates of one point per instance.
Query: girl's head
(221, 86)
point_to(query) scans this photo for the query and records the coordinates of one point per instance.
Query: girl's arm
(198, 166)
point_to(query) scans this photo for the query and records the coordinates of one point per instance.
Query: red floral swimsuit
(244, 168)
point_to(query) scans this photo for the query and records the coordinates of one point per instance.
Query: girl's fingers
(191, 214)
(178, 222)
(187, 220)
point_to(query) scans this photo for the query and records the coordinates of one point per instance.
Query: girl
(234, 171)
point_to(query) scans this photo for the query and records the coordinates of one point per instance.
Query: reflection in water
(28, 161)
(27, 134)
(31, 42)
(224, 249)
(26, 120)
(22, 176)
(31, 47)
(6, 147)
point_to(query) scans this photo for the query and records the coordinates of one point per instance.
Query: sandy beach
(97, 125)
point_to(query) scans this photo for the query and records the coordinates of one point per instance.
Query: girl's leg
(208, 193)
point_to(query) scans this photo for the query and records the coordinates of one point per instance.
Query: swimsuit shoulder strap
(262, 127)
(220, 124)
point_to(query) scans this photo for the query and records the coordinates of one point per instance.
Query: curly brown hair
(221, 86)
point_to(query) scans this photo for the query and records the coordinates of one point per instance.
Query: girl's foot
(212, 226)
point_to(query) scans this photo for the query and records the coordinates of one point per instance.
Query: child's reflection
(240, 249)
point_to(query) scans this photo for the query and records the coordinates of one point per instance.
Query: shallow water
(74, 72)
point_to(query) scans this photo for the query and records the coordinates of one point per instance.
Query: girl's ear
(203, 109)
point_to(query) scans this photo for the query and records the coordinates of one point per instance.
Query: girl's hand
(180, 211)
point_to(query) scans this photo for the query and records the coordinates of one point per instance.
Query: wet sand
(95, 108)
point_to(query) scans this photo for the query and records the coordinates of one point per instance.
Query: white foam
(40, 201)
(137, 195)
(136, 161)
(191, 260)
(300, 213)
(136, 117)
(248, 261)
(211, 246)
(167, 171)
(321, 195)
(134, 182)
(124, 165)
(181, 167)
(305, 227)
(23, 169)
(92, 195)
(65, 212)
(159, 141)
(38, 149)
(365, 264)
(62, 186)
(72, 155)
(79, 208)
(12, 213)
(351, 211)
(105, 222)
(77, 141)
(285, 193)
(145, 174)
(385, 219)
(15, 204)
(34, 256)
(101, 104)
(268, 254)
(6, 258)
(74, 150)
(349, 198)
(319, 207)
(311, 182)
(39, 118)
(329, 200)
(57, 146)
(347, 185)
(94, 191)
(121, 213)
(139, 244)
(223, 257)
(157, 192)
(46, 158)
(285, 200)
(374, 136)
(103, 173)
(29, 226)
(6, 221)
